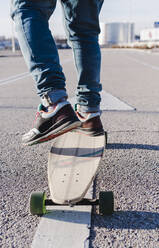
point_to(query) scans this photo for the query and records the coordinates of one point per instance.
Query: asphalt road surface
(130, 166)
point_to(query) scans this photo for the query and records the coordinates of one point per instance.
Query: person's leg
(38, 46)
(55, 115)
(82, 27)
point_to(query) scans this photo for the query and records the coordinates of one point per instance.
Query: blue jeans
(41, 55)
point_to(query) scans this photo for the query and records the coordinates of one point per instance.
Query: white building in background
(116, 33)
(150, 34)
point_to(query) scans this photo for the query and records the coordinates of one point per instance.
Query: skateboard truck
(38, 203)
(83, 202)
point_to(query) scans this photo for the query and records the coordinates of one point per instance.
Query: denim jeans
(41, 55)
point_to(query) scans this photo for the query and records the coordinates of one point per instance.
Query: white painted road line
(65, 227)
(156, 68)
(14, 78)
(23, 75)
(109, 102)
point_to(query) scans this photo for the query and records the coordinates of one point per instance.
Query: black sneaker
(51, 122)
(90, 122)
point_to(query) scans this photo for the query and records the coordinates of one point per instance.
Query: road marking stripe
(64, 227)
(153, 67)
(23, 75)
(14, 78)
(109, 102)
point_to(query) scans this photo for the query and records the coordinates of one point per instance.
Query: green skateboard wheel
(106, 203)
(37, 203)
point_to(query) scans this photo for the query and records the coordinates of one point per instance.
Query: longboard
(72, 165)
(73, 161)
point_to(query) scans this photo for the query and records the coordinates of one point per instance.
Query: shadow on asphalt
(128, 220)
(79, 217)
(118, 146)
(119, 220)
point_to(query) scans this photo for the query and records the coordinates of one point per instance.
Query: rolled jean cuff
(87, 109)
(51, 97)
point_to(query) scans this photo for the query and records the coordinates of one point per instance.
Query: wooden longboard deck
(73, 161)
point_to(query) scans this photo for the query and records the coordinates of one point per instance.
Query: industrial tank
(116, 33)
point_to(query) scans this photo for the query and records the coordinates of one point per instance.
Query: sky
(142, 12)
